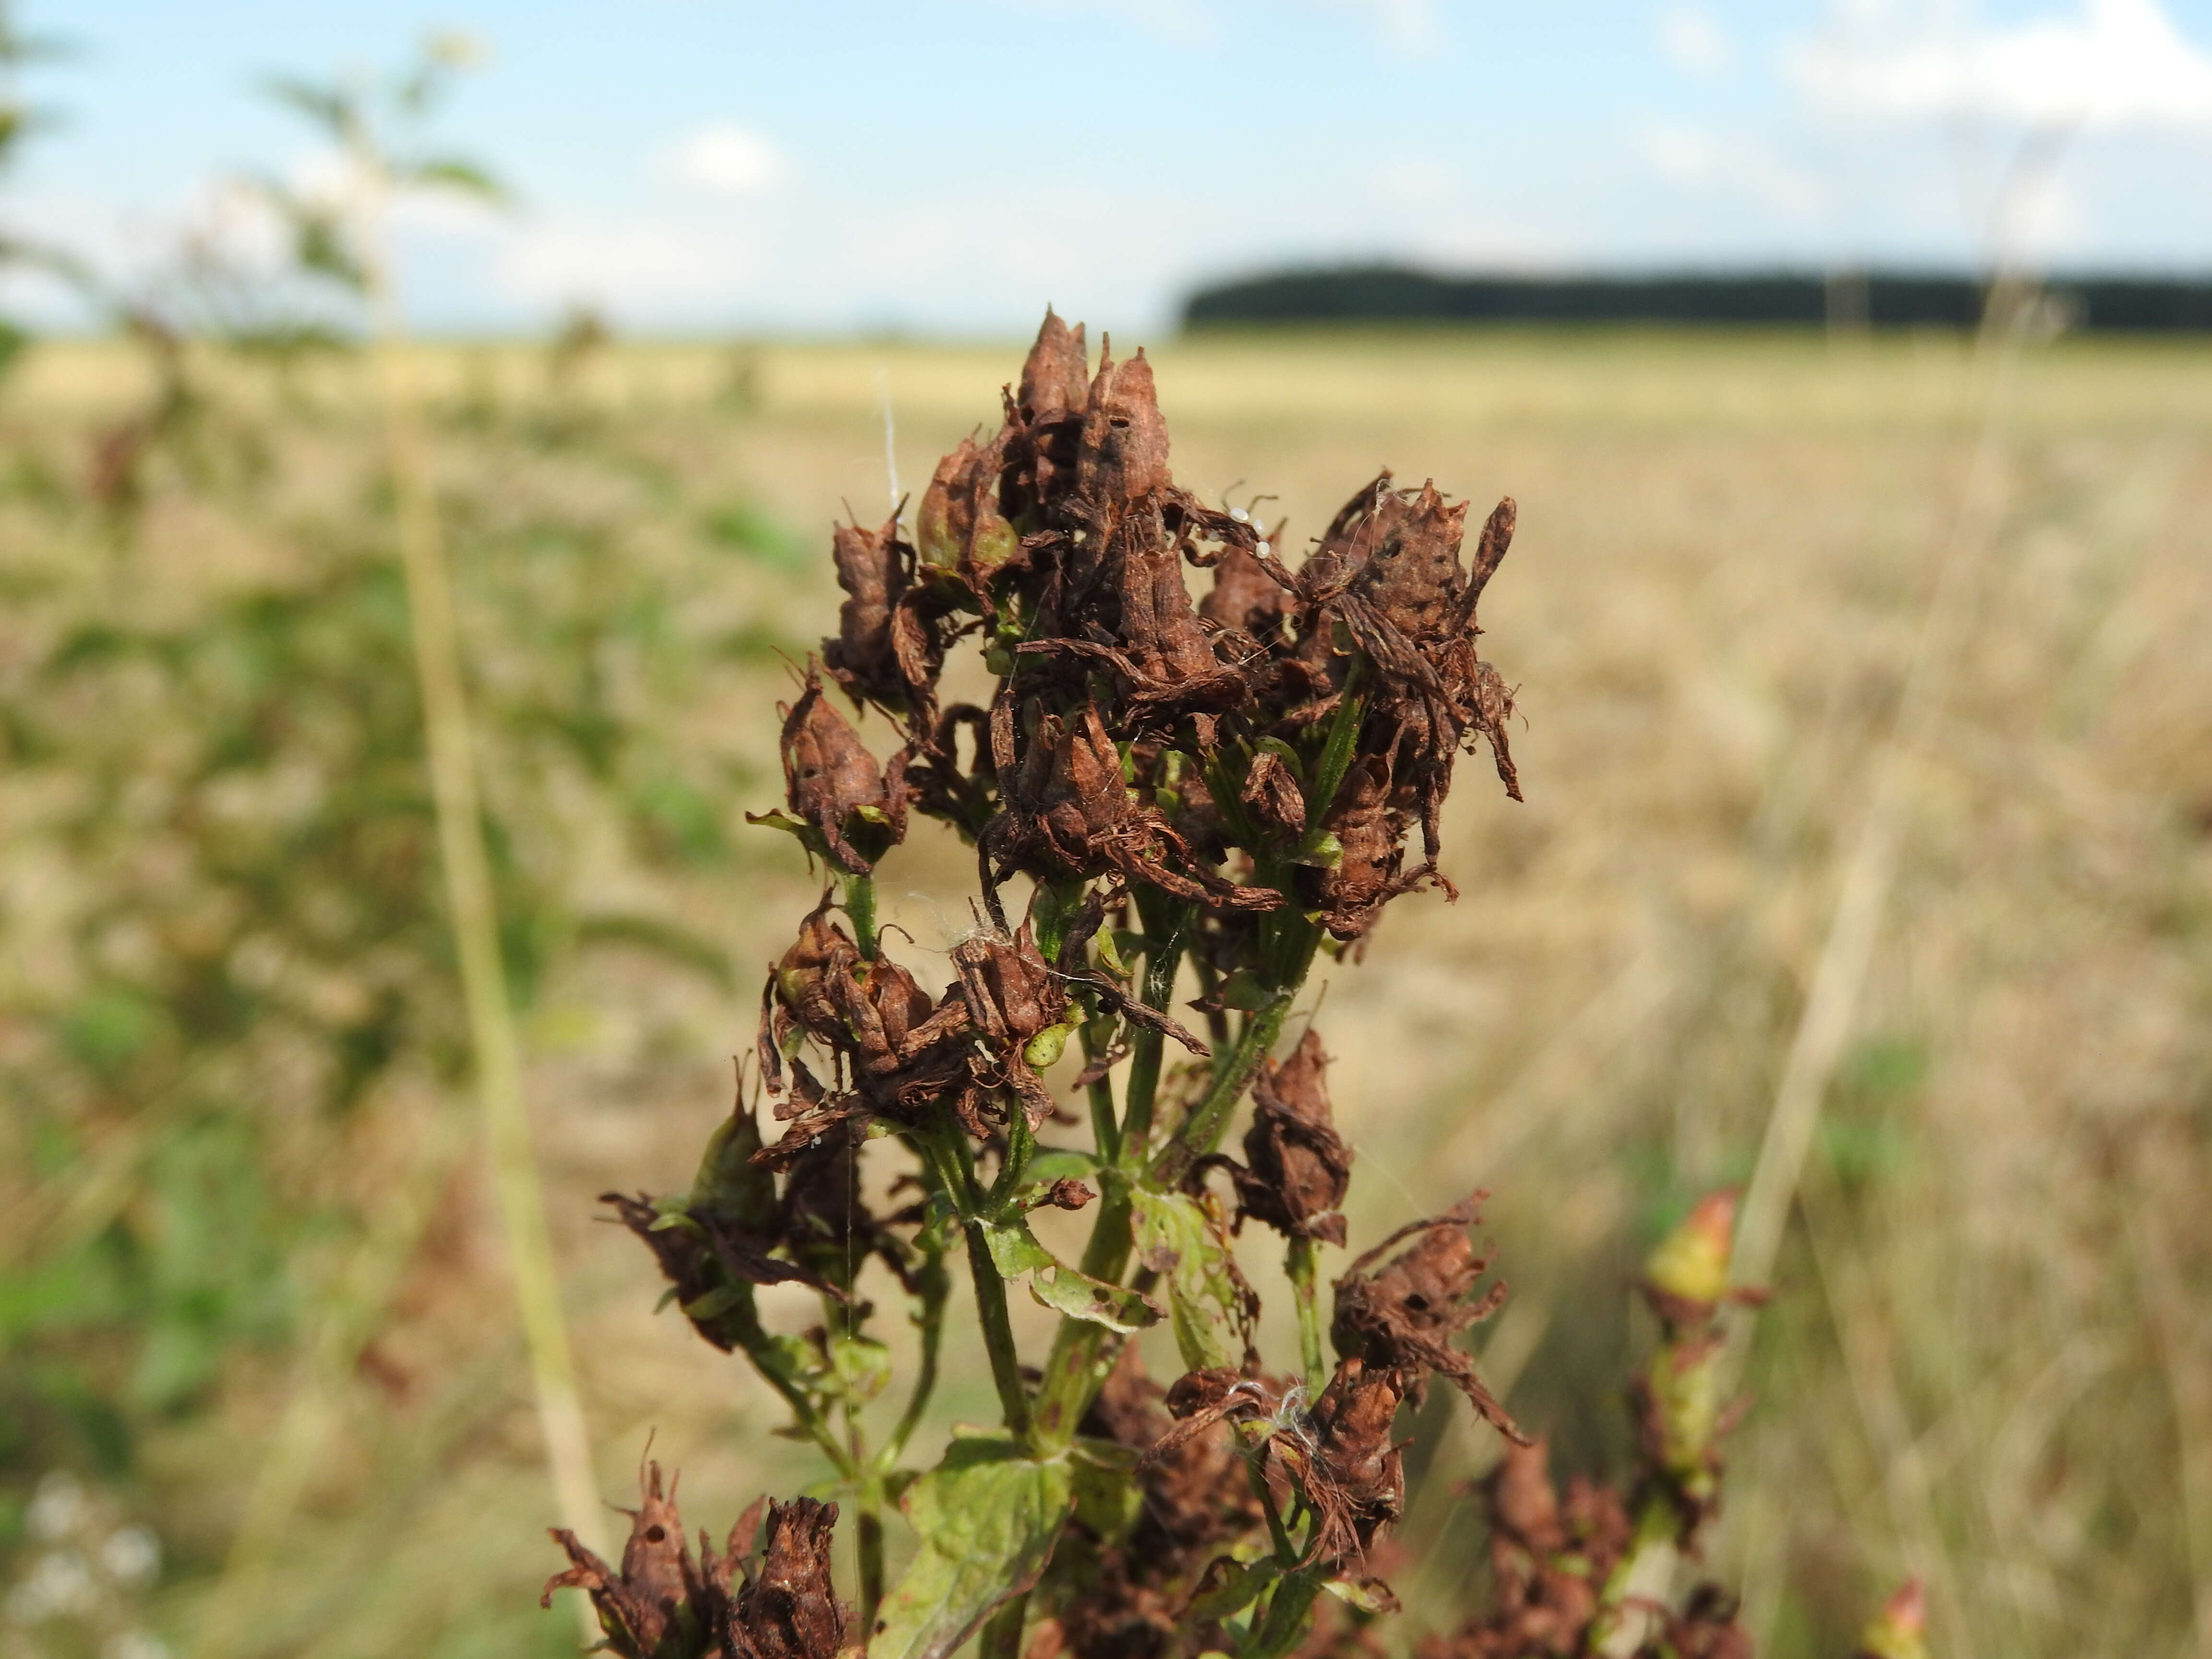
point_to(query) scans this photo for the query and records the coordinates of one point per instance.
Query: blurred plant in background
(230, 1030)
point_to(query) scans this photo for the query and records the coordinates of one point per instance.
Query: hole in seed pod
(656, 1534)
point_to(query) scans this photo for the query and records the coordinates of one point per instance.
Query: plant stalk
(1299, 1264)
(1075, 1370)
(1203, 1130)
(859, 899)
(471, 902)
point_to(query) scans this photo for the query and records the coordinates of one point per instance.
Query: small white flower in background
(57, 1507)
(132, 1556)
(83, 1575)
(59, 1585)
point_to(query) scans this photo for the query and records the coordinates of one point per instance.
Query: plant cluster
(1228, 786)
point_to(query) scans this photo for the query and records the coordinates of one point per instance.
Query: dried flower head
(1402, 1314)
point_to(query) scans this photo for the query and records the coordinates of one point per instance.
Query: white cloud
(2110, 62)
(727, 159)
(1695, 159)
(1407, 25)
(639, 263)
(1181, 20)
(1423, 180)
(1691, 39)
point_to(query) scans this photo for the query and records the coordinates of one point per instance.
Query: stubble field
(1990, 1356)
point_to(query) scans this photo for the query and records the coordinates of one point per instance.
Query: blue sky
(838, 164)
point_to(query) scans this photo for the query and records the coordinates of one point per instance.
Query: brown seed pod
(1125, 440)
(875, 568)
(647, 1600)
(791, 1611)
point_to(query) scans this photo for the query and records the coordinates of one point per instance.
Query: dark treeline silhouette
(1396, 293)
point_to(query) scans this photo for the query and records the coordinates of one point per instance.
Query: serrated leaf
(1015, 1251)
(986, 1518)
(1211, 1304)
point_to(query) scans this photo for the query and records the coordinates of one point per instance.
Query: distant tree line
(1397, 293)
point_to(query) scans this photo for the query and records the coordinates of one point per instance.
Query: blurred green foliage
(224, 929)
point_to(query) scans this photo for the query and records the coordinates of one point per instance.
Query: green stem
(1161, 963)
(997, 1333)
(1020, 1143)
(1285, 1623)
(870, 1542)
(1286, 1551)
(762, 1351)
(868, 1500)
(1105, 1129)
(1652, 1553)
(1002, 1636)
(936, 1290)
(1299, 1264)
(956, 1169)
(1080, 1353)
(860, 904)
(1203, 1130)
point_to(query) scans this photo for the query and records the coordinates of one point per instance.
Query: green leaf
(1108, 1498)
(1050, 1163)
(1212, 1304)
(1368, 1595)
(862, 1367)
(1015, 1251)
(986, 1518)
(1230, 1586)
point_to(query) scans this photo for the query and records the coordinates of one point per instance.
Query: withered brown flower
(1125, 441)
(791, 1609)
(659, 1587)
(959, 529)
(832, 785)
(665, 1605)
(1358, 1476)
(1297, 1168)
(1066, 811)
(1403, 1314)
